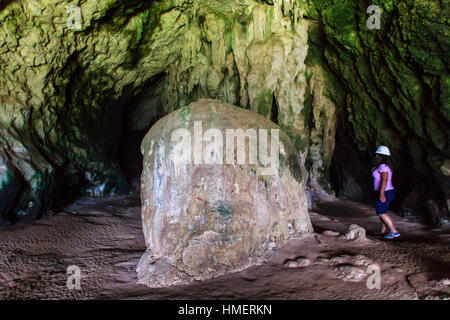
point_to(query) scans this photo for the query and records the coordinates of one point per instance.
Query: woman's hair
(386, 160)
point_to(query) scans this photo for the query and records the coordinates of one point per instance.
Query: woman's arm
(384, 178)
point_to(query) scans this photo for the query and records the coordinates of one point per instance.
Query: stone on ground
(202, 221)
(356, 232)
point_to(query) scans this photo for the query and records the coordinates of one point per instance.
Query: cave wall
(62, 93)
(254, 55)
(310, 66)
(395, 82)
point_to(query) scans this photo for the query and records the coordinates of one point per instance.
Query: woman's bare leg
(384, 226)
(389, 222)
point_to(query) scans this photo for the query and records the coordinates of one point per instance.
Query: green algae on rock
(392, 79)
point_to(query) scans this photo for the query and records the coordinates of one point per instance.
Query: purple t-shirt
(377, 177)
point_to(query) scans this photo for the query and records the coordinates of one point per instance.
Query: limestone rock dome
(206, 212)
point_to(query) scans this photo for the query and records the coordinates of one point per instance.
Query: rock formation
(215, 214)
(334, 86)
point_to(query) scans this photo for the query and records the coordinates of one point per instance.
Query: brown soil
(104, 239)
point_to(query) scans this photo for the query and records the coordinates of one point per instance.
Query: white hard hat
(383, 150)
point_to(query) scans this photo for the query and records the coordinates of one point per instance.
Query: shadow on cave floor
(103, 237)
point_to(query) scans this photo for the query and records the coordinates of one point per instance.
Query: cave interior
(73, 120)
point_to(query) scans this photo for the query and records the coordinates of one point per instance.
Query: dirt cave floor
(104, 239)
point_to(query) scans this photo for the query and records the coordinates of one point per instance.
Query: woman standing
(382, 178)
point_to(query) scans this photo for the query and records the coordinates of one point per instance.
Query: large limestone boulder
(206, 211)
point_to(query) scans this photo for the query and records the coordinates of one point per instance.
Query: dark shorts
(380, 207)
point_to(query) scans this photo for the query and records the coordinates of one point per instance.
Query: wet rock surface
(203, 220)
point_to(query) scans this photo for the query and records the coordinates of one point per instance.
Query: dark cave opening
(145, 109)
(137, 110)
(274, 111)
(130, 157)
(350, 175)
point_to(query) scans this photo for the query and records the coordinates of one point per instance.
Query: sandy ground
(104, 239)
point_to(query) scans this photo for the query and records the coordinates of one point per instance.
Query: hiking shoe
(392, 235)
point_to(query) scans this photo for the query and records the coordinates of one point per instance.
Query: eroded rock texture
(391, 86)
(204, 220)
(64, 91)
(313, 67)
